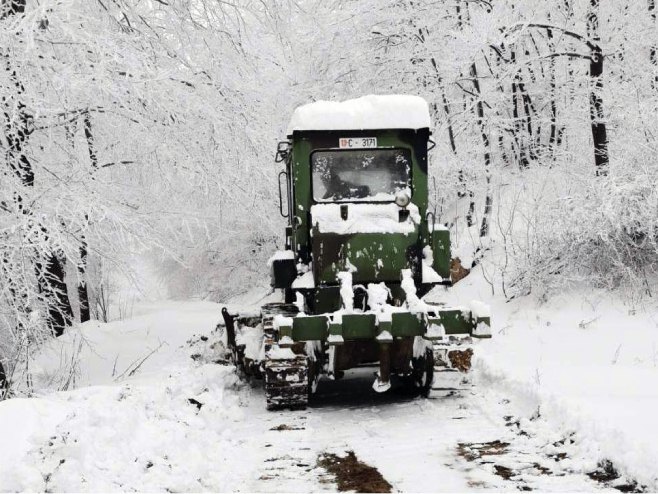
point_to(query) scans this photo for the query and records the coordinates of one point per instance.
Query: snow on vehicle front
(372, 240)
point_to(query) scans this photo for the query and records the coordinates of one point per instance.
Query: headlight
(402, 199)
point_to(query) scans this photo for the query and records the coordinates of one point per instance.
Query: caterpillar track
(286, 383)
(285, 370)
(452, 364)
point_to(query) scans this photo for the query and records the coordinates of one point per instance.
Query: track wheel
(286, 383)
(424, 372)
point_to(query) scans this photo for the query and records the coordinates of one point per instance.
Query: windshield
(360, 175)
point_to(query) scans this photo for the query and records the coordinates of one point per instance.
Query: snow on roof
(393, 111)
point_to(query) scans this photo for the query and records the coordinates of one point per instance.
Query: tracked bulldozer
(361, 251)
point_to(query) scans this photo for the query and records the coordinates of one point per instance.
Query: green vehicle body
(372, 257)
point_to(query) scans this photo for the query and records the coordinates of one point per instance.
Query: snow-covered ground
(129, 420)
(589, 363)
(559, 388)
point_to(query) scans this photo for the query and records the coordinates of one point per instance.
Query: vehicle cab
(357, 199)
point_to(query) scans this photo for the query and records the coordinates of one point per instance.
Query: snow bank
(147, 437)
(24, 424)
(584, 360)
(364, 218)
(98, 353)
(148, 418)
(367, 112)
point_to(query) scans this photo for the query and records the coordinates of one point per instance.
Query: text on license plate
(357, 142)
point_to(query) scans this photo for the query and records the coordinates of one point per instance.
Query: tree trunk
(53, 288)
(516, 116)
(49, 267)
(4, 385)
(479, 108)
(464, 189)
(83, 292)
(89, 136)
(467, 191)
(509, 116)
(446, 107)
(534, 140)
(599, 130)
(552, 139)
(653, 50)
(83, 289)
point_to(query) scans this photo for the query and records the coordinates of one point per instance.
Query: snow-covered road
(472, 441)
(152, 412)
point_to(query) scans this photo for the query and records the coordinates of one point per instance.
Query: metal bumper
(335, 328)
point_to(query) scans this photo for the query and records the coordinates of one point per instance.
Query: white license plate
(357, 142)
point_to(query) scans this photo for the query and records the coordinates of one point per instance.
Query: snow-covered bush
(553, 228)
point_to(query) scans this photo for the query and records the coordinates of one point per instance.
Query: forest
(148, 128)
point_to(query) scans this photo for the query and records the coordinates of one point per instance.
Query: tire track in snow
(419, 445)
(282, 448)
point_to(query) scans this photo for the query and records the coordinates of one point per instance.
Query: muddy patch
(286, 427)
(485, 453)
(475, 451)
(607, 474)
(504, 472)
(461, 359)
(352, 474)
